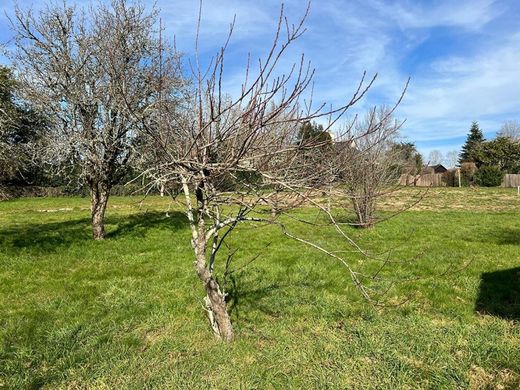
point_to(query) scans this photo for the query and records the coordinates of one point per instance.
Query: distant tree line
(21, 129)
(484, 162)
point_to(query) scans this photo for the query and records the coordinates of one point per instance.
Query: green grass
(127, 312)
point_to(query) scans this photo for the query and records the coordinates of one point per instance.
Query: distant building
(341, 145)
(439, 168)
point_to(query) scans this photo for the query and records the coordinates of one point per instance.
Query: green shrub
(489, 176)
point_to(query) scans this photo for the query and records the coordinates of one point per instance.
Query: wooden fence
(428, 180)
(511, 180)
(443, 180)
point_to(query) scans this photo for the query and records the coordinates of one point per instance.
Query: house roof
(436, 166)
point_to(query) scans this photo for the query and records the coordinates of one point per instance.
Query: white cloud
(344, 38)
(470, 14)
(482, 87)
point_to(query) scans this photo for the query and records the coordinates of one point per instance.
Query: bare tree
(510, 129)
(435, 157)
(251, 139)
(369, 168)
(95, 73)
(451, 159)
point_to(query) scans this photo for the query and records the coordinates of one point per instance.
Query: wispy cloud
(457, 90)
(410, 14)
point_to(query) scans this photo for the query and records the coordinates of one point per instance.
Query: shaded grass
(499, 294)
(126, 313)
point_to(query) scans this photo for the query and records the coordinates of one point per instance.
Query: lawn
(127, 312)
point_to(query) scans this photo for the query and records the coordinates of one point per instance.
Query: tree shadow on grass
(273, 298)
(240, 299)
(499, 294)
(495, 235)
(508, 236)
(137, 225)
(42, 238)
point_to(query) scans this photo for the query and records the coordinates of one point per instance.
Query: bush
(489, 176)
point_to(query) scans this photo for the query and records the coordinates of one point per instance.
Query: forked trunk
(364, 210)
(99, 198)
(215, 300)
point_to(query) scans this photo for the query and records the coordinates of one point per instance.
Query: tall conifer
(473, 142)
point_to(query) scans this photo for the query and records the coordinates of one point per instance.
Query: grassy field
(127, 312)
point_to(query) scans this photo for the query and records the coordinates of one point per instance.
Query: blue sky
(463, 56)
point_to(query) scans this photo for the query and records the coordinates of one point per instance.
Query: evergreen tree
(502, 152)
(311, 132)
(471, 148)
(407, 153)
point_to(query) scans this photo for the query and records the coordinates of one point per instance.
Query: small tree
(255, 139)
(311, 132)
(370, 168)
(410, 160)
(95, 73)
(467, 173)
(471, 149)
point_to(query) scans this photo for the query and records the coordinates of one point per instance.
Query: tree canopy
(313, 132)
(413, 161)
(106, 82)
(502, 152)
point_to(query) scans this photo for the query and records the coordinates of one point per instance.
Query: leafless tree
(451, 159)
(435, 157)
(369, 168)
(95, 73)
(510, 129)
(251, 139)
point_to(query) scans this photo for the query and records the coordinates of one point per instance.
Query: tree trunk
(274, 206)
(161, 188)
(274, 210)
(100, 192)
(329, 199)
(364, 210)
(215, 300)
(217, 311)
